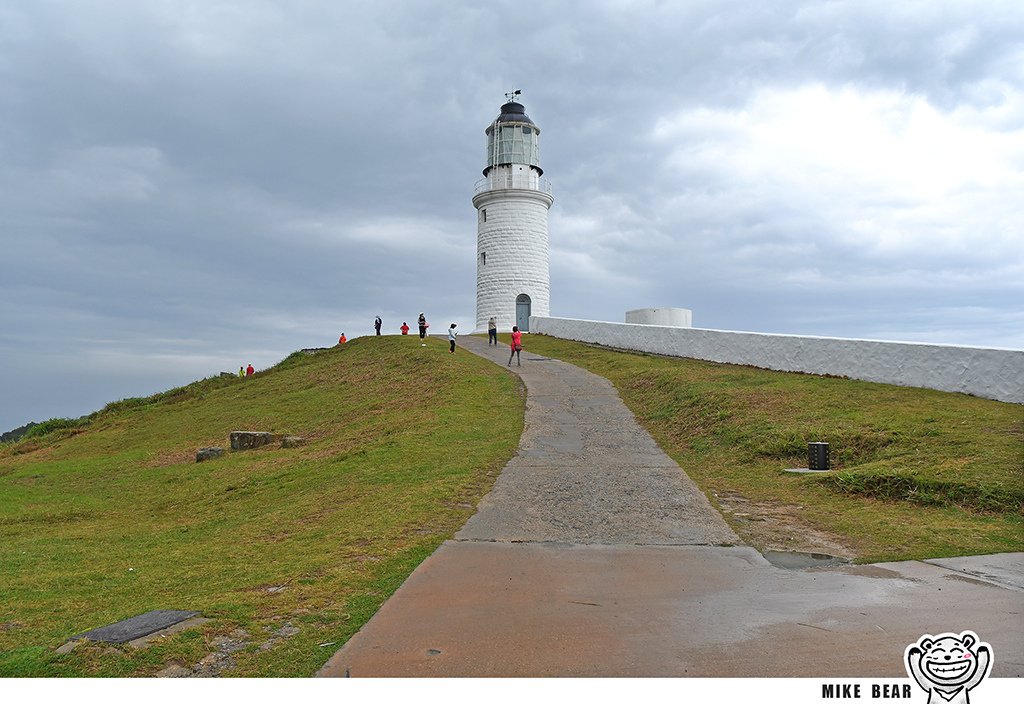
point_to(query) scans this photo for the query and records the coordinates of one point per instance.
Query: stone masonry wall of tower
(515, 240)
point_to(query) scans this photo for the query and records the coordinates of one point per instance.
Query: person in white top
(451, 338)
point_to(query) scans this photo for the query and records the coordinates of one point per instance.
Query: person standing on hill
(377, 323)
(423, 326)
(517, 346)
(241, 372)
(249, 371)
(451, 338)
(405, 328)
(342, 340)
(492, 332)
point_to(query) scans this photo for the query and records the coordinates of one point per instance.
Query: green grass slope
(110, 517)
(920, 473)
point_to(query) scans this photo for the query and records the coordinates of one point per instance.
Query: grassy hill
(283, 549)
(290, 551)
(920, 473)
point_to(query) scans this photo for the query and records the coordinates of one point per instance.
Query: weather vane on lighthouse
(511, 97)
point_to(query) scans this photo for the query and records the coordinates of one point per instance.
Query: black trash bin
(817, 456)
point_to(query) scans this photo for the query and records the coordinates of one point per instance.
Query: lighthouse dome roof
(514, 112)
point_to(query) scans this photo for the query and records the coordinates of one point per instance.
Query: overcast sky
(190, 186)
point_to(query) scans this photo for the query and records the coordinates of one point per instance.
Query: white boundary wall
(989, 372)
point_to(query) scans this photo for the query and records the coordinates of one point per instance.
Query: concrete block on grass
(208, 453)
(248, 439)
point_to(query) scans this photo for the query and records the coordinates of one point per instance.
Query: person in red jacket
(342, 340)
(249, 371)
(517, 346)
(405, 328)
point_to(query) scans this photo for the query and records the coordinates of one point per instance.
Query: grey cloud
(188, 185)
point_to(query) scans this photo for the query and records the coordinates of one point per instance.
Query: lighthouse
(513, 279)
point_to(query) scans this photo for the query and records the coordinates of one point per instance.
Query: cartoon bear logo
(948, 666)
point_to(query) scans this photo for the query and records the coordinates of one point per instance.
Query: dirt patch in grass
(27, 447)
(764, 402)
(168, 459)
(772, 525)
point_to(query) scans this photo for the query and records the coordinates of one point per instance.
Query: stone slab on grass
(208, 453)
(136, 626)
(249, 439)
(156, 636)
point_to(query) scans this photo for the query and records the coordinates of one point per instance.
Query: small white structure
(513, 279)
(669, 317)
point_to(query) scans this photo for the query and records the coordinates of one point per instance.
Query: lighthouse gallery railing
(506, 181)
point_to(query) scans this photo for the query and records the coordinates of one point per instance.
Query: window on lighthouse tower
(483, 258)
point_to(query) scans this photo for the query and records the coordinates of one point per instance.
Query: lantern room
(513, 139)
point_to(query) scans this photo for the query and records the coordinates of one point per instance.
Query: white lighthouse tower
(513, 279)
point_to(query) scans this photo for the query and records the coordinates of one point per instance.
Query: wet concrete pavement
(595, 555)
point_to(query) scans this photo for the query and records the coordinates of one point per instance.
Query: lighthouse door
(523, 312)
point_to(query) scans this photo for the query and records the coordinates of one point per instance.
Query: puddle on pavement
(802, 560)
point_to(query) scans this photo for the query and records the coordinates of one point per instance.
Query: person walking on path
(423, 326)
(377, 323)
(405, 328)
(241, 371)
(249, 371)
(517, 346)
(342, 340)
(451, 338)
(492, 332)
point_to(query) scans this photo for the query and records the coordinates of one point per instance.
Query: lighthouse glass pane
(518, 150)
(505, 146)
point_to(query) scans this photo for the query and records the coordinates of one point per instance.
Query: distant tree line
(12, 435)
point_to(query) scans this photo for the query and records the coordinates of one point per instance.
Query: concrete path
(595, 555)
